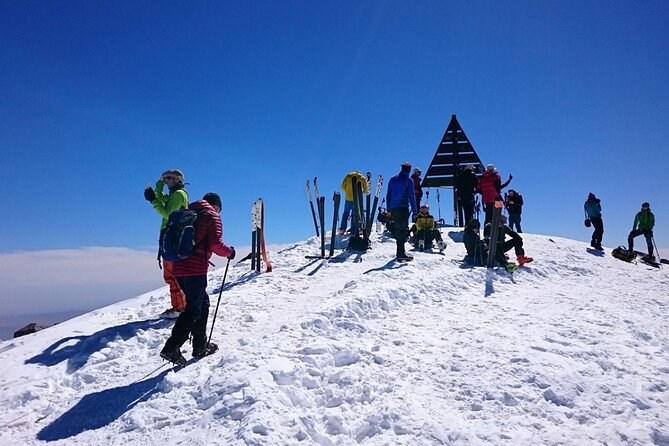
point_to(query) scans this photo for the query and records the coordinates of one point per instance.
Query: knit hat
(174, 172)
(213, 199)
(416, 170)
(645, 204)
(425, 205)
(490, 166)
(406, 166)
(591, 196)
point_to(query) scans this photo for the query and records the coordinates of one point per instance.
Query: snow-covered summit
(571, 349)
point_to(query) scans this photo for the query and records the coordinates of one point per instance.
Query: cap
(591, 195)
(417, 170)
(645, 204)
(425, 205)
(213, 199)
(490, 166)
(406, 166)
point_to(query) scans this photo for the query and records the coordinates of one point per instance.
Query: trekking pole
(218, 302)
(659, 257)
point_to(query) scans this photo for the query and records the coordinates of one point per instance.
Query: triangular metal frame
(454, 152)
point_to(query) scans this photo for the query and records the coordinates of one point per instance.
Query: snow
(573, 349)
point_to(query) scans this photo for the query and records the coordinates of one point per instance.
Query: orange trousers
(177, 296)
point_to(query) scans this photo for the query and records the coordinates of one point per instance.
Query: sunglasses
(169, 177)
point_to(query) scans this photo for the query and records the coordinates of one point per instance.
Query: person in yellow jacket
(347, 187)
(165, 204)
(424, 230)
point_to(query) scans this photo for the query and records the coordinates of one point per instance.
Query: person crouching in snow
(425, 232)
(503, 245)
(191, 274)
(477, 250)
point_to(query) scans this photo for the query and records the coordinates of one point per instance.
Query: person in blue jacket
(400, 198)
(593, 209)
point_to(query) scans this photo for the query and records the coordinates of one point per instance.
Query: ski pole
(219, 301)
(659, 257)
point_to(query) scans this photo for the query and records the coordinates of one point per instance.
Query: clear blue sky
(250, 99)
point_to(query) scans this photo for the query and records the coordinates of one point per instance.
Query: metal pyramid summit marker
(454, 152)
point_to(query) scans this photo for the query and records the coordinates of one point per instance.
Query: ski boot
(441, 245)
(522, 260)
(173, 356)
(206, 350)
(421, 244)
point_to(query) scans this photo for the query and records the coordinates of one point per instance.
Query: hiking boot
(404, 258)
(598, 246)
(206, 350)
(441, 245)
(421, 244)
(522, 260)
(173, 356)
(170, 313)
(649, 258)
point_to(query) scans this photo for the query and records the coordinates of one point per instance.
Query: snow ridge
(571, 349)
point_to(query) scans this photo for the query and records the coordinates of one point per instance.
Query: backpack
(178, 239)
(623, 253)
(357, 243)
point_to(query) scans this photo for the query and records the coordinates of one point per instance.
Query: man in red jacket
(490, 186)
(191, 274)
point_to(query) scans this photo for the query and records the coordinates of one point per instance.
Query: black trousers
(597, 234)
(647, 234)
(401, 228)
(467, 204)
(194, 319)
(428, 236)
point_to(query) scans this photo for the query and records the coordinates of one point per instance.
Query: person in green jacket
(165, 204)
(644, 221)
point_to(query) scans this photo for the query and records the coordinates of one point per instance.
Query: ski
(368, 199)
(361, 216)
(494, 233)
(356, 207)
(320, 205)
(313, 212)
(335, 217)
(370, 216)
(263, 249)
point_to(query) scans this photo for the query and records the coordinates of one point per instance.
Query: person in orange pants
(165, 204)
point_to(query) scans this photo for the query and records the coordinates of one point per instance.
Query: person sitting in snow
(644, 221)
(477, 250)
(503, 245)
(424, 231)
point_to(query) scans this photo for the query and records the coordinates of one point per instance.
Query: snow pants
(194, 319)
(514, 219)
(400, 228)
(597, 234)
(176, 295)
(649, 239)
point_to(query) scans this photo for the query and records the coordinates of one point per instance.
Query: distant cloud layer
(70, 279)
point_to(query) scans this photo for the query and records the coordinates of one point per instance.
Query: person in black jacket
(477, 250)
(466, 190)
(514, 205)
(503, 245)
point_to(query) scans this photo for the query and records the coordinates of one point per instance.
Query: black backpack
(623, 253)
(178, 239)
(357, 243)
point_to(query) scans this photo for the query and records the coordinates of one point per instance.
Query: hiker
(644, 221)
(424, 231)
(466, 190)
(514, 206)
(347, 187)
(415, 177)
(401, 199)
(490, 187)
(165, 204)
(503, 245)
(477, 250)
(192, 276)
(593, 212)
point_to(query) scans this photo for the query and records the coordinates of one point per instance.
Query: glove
(232, 254)
(510, 177)
(414, 218)
(149, 194)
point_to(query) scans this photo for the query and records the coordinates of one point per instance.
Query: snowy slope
(572, 349)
